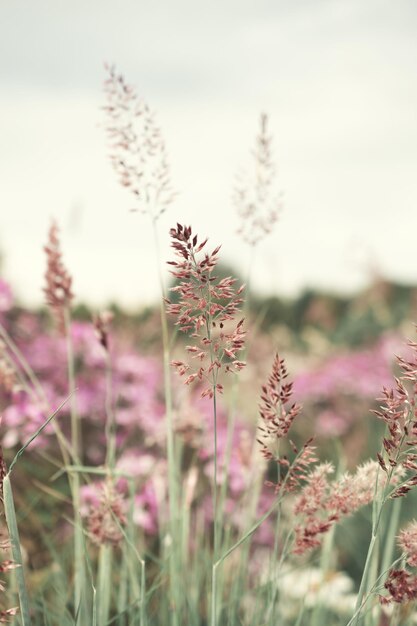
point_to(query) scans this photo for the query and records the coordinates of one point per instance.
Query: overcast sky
(338, 79)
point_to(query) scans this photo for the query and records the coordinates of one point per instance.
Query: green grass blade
(16, 552)
(104, 583)
(38, 432)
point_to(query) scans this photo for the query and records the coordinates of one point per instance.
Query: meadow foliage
(190, 478)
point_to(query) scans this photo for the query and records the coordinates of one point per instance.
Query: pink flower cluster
(6, 296)
(338, 390)
(139, 414)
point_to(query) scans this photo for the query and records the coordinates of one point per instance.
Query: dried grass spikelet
(137, 148)
(102, 322)
(322, 502)
(401, 586)
(58, 280)
(8, 377)
(106, 520)
(7, 565)
(206, 311)
(401, 583)
(407, 540)
(255, 196)
(277, 413)
(399, 412)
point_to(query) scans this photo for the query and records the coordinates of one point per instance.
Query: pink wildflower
(6, 296)
(8, 377)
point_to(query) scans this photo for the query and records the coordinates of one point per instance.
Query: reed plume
(207, 311)
(137, 148)
(277, 414)
(255, 197)
(58, 288)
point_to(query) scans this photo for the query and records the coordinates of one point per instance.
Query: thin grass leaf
(38, 432)
(16, 552)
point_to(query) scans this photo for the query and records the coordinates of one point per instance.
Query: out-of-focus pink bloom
(145, 514)
(6, 296)
(89, 496)
(331, 424)
(22, 419)
(136, 463)
(362, 372)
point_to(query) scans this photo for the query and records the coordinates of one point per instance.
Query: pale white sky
(337, 77)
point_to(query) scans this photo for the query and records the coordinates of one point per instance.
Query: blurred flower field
(336, 382)
(222, 458)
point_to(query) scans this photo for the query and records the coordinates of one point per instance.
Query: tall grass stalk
(242, 540)
(379, 503)
(372, 576)
(328, 545)
(234, 547)
(173, 478)
(389, 543)
(373, 589)
(216, 529)
(139, 589)
(104, 584)
(110, 418)
(215, 517)
(238, 589)
(79, 568)
(105, 558)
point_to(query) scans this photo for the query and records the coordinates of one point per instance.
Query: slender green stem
(215, 498)
(79, 573)
(129, 553)
(389, 542)
(215, 520)
(110, 417)
(358, 609)
(244, 538)
(33, 437)
(248, 534)
(377, 509)
(104, 583)
(142, 593)
(173, 486)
